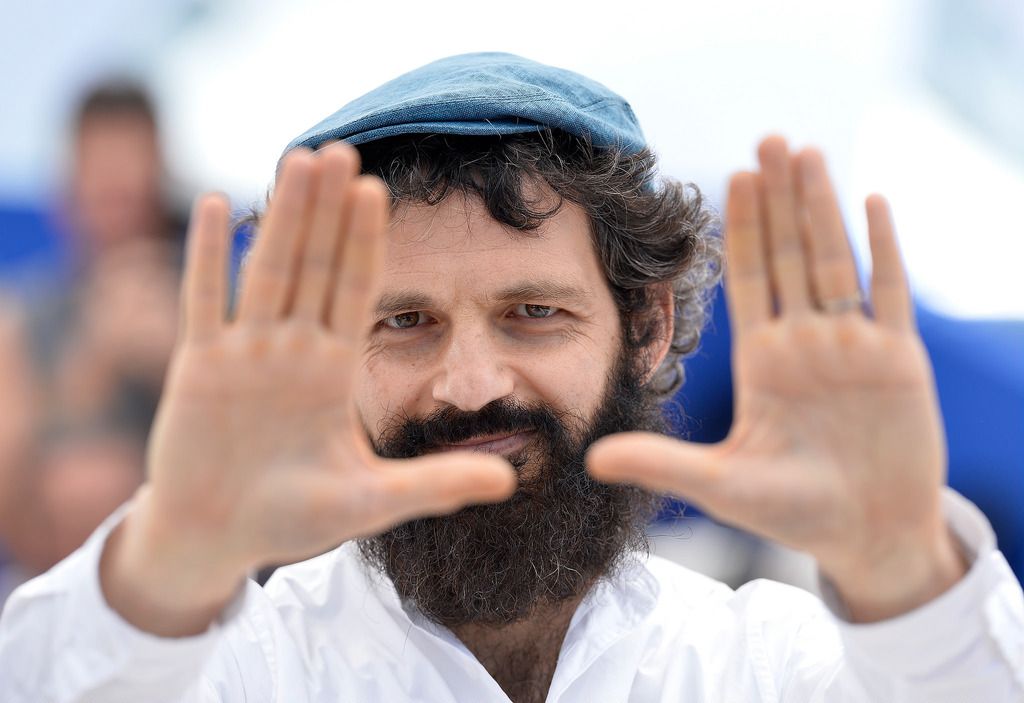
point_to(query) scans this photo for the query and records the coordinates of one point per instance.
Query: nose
(472, 372)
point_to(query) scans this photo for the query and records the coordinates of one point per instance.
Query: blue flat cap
(483, 94)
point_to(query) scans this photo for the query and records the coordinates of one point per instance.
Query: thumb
(658, 463)
(437, 484)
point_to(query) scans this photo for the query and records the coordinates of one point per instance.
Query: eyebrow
(393, 303)
(549, 291)
(541, 290)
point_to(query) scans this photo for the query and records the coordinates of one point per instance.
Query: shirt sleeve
(61, 641)
(966, 645)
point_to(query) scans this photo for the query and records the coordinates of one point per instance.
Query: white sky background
(707, 80)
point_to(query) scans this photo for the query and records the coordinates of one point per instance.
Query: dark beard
(553, 539)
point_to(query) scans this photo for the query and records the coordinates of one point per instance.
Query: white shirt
(329, 630)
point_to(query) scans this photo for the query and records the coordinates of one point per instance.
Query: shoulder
(761, 596)
(325, 581)
(675, 580)
(764, 624)
(774, 614)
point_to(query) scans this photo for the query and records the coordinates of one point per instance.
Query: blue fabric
(483, 94)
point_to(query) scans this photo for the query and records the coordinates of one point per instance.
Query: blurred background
(116, 113)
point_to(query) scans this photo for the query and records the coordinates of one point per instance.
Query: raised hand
(837, 446)
(257, 455)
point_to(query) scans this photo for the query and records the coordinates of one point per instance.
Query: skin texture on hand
(837, 447)
(256, 456)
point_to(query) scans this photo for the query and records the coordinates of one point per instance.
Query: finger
(204, 285)
(658, 463)
(361, 260)
(441, 484)
(890, 292)
(785, 248)
(340, 163)
(746, 275)
(832, 266)
(271, 269)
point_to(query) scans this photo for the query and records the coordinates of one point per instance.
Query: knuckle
(808, 331)
(339, 355)
(851, 331)
(254, 344)
(298, 337)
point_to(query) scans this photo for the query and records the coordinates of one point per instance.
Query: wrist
(163, 582)
(902, 579)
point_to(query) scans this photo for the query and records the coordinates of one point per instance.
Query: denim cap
(483, 94)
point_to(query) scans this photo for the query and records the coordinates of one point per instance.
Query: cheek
(571, 380)
(385, 387)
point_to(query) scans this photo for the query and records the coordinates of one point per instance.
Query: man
(531, 293)
(110, 344)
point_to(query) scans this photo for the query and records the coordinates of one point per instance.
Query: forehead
(113, 126)
(118, 139)
(458, 245)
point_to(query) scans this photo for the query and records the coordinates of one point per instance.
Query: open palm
(837, 446)
(257, 452)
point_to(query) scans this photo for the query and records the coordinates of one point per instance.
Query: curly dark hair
(648, 231)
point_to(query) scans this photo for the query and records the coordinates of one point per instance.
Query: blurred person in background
(110, 349)
(22, 546)
(97, 462)
(91, 348)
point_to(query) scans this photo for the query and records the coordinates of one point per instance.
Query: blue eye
(404, 321)
(535, 311)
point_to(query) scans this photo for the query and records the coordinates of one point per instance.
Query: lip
(492, 444)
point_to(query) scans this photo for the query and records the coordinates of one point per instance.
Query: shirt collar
(613, 608)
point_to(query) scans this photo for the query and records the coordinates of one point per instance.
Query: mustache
(405, 437)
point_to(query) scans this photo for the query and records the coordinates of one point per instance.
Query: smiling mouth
(502, 443)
